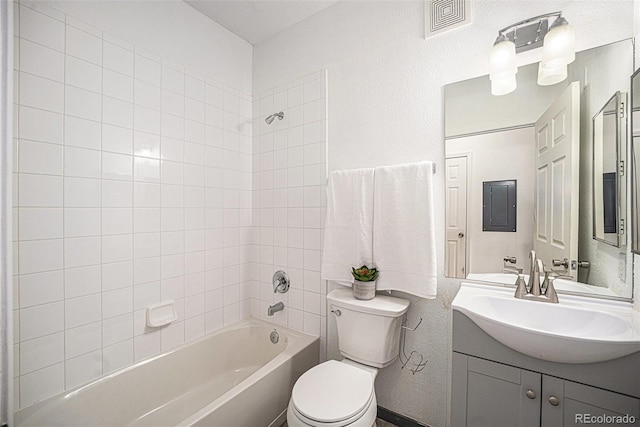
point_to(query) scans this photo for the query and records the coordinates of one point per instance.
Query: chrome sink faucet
(533, 290)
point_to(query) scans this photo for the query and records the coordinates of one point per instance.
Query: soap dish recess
(161, 314)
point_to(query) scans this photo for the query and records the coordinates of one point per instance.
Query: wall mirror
(609, 164)
(635, 161)
(495, 138)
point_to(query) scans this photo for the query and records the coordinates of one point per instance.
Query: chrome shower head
(272, 117)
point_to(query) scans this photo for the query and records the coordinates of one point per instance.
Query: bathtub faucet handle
(280, 282)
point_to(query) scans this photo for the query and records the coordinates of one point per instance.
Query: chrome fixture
(533, 291)
(415, 362)
(580, 264)
(280, 282)
(272, 117)
(508, 268)
(275, 308)
(558, 51)
(560, 263)
(274, 337)
(532, 269)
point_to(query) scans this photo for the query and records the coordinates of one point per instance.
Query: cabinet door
(493, 395)
(565, 403)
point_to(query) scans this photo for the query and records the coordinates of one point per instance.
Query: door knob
(561, 263)
(554, 401)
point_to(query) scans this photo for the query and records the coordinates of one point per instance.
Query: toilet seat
(332, 394)
(346, 422)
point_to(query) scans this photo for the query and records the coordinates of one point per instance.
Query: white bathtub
(234, 377)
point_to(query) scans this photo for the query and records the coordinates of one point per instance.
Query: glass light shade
(559, 44)
(550, 74)
(504, 85)
(502, 57)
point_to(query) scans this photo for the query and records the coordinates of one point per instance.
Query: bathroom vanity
(494, 385)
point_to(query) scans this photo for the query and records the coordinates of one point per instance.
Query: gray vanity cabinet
(493, 395)
(495, 386)
(575, 401)
(490, 394)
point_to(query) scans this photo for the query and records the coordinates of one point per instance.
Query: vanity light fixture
(551, 31)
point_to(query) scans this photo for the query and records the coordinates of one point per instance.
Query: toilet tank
(368, 330)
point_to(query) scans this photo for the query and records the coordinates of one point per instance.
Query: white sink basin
(576, 330)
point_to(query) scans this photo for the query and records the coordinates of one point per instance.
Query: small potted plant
(364, 285)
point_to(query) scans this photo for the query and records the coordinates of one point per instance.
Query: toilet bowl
(334, 394)
(340, 393)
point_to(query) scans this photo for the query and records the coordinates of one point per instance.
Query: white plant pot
(364, 290)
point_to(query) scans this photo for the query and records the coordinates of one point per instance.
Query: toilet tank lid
(381, 305)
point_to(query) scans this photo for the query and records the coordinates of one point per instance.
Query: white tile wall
(133, 185)
(289, 199)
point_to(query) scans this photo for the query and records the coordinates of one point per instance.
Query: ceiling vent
(446, 15)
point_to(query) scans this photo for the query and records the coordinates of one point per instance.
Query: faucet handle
(521, 286)
(280, 282)
(549, 289)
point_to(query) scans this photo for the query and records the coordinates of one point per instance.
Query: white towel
(404, 246)
(348, 238)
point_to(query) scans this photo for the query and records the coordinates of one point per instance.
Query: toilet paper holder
(415, 361)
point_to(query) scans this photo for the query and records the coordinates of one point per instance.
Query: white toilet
(341, 393)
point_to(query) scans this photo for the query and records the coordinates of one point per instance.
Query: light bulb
(502, 57)
(559, 44)
(502, 66)
(550, 74)
(504, 85)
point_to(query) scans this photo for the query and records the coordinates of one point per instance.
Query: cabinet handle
(530, 394)
(554, 401)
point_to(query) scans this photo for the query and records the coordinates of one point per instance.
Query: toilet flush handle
(337, 312)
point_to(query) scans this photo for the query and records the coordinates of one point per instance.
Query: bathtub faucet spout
(274, 308)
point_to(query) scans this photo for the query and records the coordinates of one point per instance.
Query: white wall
(133, 186)
(172, 29)
(512, 150)
(385, 104)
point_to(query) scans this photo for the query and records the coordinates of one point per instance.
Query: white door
(557, 134)
(456, 217)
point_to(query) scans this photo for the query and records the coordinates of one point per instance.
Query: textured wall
(385, 104)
